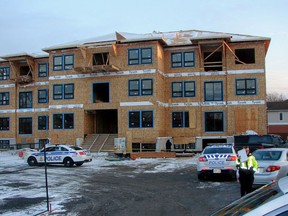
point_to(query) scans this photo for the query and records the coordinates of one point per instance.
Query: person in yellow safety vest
(246, 172)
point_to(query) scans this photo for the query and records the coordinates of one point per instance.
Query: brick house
(194, 86)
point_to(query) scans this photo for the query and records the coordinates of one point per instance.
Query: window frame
(4, 73)
(184, 119)
(141, 90)
(63, 66)
(43, 100)
(62, 95)
(214, 94)
(25, 126)
(4, 98)
(63, 119)
(42, 74)
(141, 122)
(245, 89)
(183, 92)
(44, 126)
(206, 129)
(26, 105)
(182, 62)
(4, 123)
(139, 59)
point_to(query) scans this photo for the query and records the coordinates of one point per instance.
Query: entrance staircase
(99, 142)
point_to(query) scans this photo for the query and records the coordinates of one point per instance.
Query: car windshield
(251, 201)
(217, 150)
(267, 155)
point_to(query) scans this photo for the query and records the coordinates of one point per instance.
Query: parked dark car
(258, 141)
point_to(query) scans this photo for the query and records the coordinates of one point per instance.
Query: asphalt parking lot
(140, 187)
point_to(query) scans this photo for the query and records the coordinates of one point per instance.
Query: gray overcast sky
(30, 25)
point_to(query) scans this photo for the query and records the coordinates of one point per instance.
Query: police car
(59, 154)
(217, 159)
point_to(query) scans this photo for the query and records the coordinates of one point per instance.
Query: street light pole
(46, 179)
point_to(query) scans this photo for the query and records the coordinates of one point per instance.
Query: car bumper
(262, 179)
(212, 172)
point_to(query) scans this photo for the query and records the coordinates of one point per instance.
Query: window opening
(101, 93)
(246, 56)
(213, 61)
(101, 59)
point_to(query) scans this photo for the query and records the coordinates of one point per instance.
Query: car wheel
(79, 164)
(32, 161)
(200, 176)
(68, 162)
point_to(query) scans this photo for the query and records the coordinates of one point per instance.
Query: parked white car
(272, 165)
(269, 200)
(59, 154)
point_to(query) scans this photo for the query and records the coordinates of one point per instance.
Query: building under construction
(193, 87)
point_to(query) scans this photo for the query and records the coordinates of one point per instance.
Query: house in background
(277, 113)
(198, 87)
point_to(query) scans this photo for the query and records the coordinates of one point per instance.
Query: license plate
(216, 170)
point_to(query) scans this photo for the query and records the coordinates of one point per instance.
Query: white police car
(217, 159)
(59, 154)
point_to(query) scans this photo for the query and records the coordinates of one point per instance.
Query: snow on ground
(18, 180)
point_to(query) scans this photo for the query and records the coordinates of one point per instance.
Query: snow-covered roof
(175, 38)
(24, 54)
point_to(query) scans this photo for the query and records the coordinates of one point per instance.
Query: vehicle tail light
(272, 168)
(231, 158)
(261, 147)
(80, 153)
(202, 159)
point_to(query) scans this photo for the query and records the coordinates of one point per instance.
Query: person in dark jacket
(246, 172)
(168, 145)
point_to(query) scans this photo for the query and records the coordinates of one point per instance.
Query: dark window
(101, 59)
(140, 56)
(4, 73)
(63, 121)
(63, 91)
(246, 56)
(246, 87)
(4, 123)
(4, 144)
(25, 125)
(63, 62)
(43, 122)
(213, 91)
(214, 122)
(25, 70)
(182, 59)
(139, 87)
(140, 119)
(43, 70)
(25, 100)
(43, 96)
(186, 89)
(281, 116)
(101, 93)
(180, 119)
(147, 119)
(4, 98)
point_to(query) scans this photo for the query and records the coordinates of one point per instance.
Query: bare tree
(275, 97)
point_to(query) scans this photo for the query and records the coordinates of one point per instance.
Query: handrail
(103, 143)
(94, 142)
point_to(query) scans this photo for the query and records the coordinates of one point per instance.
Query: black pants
(246, 178)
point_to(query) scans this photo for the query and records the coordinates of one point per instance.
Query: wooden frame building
(194, 87)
